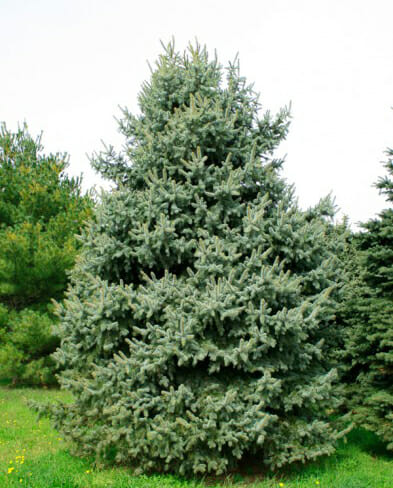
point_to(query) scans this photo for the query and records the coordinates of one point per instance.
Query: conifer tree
(368, 315)
(41, 210)
(198, 328)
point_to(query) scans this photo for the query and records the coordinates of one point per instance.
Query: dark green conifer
(369, 319)
(198, 327)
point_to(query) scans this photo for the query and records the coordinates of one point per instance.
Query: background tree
(198, 327)
(368, 315)
(41, 210)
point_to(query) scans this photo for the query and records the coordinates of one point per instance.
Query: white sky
(66, 66)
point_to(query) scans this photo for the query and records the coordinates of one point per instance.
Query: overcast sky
(66, 66)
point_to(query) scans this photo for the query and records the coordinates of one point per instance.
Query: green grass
(47, 463)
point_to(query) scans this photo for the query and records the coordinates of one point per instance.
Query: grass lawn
(41, 458)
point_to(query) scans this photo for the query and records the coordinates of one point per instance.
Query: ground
(32, 454)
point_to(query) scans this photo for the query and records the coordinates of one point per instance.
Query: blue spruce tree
(198, 327)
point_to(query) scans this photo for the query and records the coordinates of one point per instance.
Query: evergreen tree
(198, 327)
(368, 315)
(41, 210)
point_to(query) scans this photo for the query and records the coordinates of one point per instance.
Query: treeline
(204, 300)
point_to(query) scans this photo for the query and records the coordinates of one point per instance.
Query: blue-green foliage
(199, 325)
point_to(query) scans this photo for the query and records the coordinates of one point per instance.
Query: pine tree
(369, 320)
(41, 210)
(198, 328)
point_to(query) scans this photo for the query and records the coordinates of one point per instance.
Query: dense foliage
(198, 328)
(368, 315)
(41, 210)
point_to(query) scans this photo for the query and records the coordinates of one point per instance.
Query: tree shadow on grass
(370, 443)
